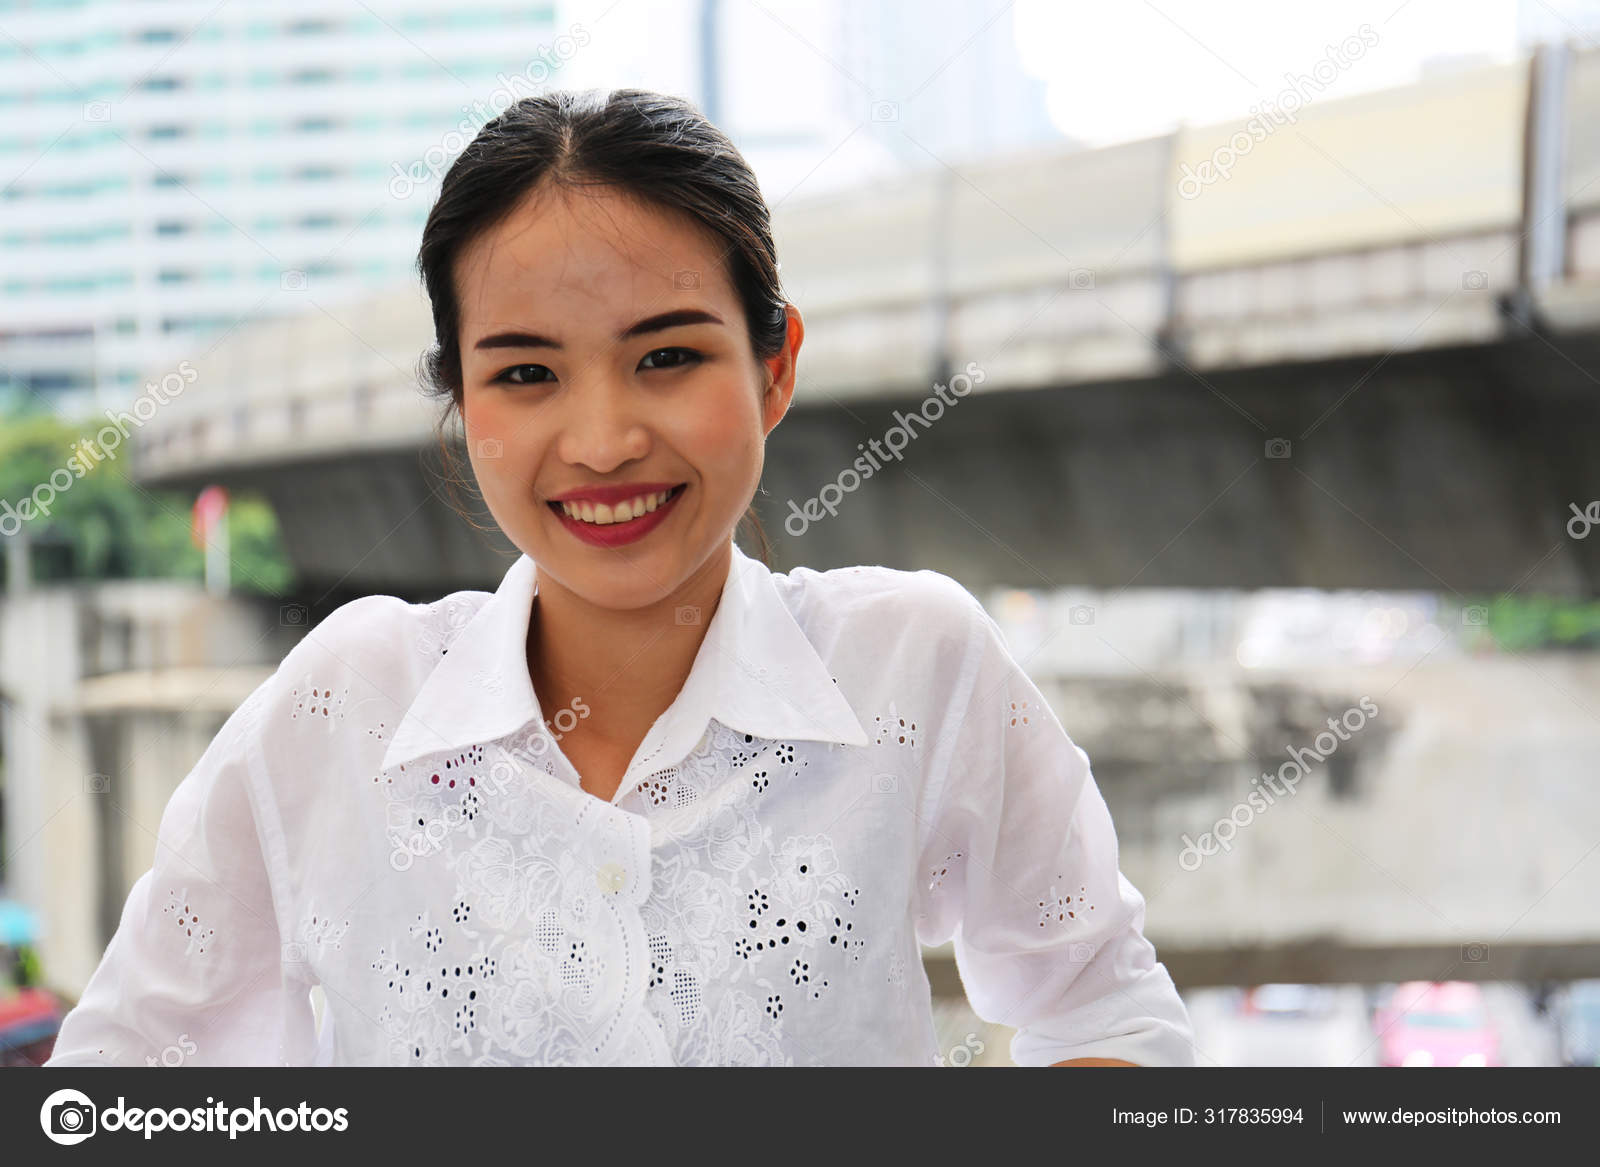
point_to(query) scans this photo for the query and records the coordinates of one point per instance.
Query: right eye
(509, 375)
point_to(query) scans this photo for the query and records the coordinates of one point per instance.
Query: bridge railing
(1386, 221)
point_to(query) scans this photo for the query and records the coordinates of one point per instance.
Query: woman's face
(603, 346)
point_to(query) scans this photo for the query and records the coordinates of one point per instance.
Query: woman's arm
(1020, 872)
(196, 964)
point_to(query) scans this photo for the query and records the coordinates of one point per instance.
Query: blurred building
(1547, 21)
(171, 169)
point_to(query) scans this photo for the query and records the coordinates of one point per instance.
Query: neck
(617, 669)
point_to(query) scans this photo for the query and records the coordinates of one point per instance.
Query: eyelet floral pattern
(440, 624)
(318, 703)
(321, 933)
(1059, 906)
(895, 728)
(196, 934)
(855, 766)
(738, 930)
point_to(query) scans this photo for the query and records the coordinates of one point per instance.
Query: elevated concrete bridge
(1367, 358)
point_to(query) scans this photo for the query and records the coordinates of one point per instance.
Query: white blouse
(855, 767)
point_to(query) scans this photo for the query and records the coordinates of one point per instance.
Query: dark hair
(657, 148)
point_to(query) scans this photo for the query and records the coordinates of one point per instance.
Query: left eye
(675, 357)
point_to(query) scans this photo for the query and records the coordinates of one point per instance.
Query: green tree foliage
(105, 526)
(1521, 624)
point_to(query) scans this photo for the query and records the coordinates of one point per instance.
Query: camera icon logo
(292, 280)
(1278, 447)
(1081, 279)
(885, 783)
(687, 278)
(490, 447)
(68, 1117)
(97, 111)
(97, 784)
(1080, 614)
(1474, 281)
(292, 615)
(885, 111)
(688, 614)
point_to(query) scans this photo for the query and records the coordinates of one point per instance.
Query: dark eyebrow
(659, 323)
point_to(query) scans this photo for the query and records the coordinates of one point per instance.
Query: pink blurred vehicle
(1436, 1024)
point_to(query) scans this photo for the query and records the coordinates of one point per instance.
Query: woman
(648, 802)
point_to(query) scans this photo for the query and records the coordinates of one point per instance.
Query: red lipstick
(617, 534)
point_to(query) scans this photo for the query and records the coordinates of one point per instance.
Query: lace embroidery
(516, 969)
(314, 702)
(533, 962)
(1018, 715)
(895, 729)
(793, 904)
(448, 795)
(440, 624)
(321, 932)
(1061, 908)
(942, 870)
(188, 922)
(794, 907)
(897, 971)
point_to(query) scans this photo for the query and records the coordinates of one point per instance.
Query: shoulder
(380, 640)
(884, 603)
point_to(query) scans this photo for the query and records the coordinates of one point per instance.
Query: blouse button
(610, 877)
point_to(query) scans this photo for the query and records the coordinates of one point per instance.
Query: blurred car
(1288, 1001)
(29, 1014)
(29, 1020)
(1284, 1025)
(1577, 1017)
(1436, 1024)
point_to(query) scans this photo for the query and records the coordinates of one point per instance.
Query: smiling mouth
(603, 515)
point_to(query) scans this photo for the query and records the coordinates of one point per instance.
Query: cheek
(727, 446)
(482, 415)
(496, 444)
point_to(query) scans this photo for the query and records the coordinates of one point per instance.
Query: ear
(781, 369)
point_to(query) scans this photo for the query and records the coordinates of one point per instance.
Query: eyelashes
(683, 358)
(691, 356)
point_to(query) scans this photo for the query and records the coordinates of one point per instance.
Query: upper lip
(611, 495)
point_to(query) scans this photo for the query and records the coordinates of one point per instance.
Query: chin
(621, 579)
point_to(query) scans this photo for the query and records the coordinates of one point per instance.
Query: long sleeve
(1020, 870)
(194, 974)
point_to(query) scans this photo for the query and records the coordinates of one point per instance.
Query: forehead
(587, 255)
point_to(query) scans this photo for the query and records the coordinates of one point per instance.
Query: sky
(1134, 68)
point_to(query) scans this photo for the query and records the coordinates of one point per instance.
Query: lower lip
(619, 534)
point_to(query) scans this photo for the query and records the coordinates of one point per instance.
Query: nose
(601, 426)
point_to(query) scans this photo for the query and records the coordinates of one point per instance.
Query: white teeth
(602, 515)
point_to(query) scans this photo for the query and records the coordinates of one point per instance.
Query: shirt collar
(755, 672)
